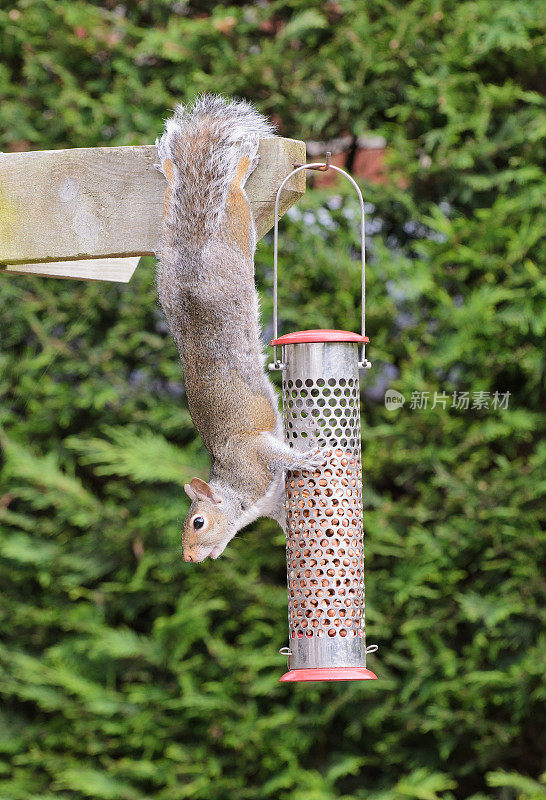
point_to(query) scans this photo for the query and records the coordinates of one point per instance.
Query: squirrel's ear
(189, 491)
(200, 490)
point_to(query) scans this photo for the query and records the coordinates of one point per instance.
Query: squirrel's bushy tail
(199, 154)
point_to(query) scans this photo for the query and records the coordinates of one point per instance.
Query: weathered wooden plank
(277, 159)
(94, 269)
(93, 203)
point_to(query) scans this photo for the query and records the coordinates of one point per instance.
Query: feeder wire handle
(323, 167)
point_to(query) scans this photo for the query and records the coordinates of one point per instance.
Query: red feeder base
(329, 674)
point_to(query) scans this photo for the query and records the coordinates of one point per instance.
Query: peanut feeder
(324, 529)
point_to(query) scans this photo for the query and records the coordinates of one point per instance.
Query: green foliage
(124, 673)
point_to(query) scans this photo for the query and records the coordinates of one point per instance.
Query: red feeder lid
(328, 674)
(301, 337)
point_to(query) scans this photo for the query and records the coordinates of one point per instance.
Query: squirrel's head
(206, 531)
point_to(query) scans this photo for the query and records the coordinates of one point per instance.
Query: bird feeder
(324, 529)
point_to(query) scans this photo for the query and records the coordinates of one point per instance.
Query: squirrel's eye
(198, 522)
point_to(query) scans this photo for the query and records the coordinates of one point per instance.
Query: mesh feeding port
(325, 560)
(325, 411)
(324, 549)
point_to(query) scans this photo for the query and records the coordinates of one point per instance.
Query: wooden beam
(93, 269)
(92, 204)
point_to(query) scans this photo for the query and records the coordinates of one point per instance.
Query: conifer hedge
(126, 674)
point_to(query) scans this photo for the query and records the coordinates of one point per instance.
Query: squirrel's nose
(188, 557)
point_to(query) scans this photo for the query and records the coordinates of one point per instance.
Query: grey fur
(205, 282)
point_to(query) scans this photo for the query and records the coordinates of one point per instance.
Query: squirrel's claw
(310, 459)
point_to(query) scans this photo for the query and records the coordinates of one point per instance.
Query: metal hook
(363, 363)
(319, 167)
(286, 651)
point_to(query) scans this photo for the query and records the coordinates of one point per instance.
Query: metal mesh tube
(324, 533)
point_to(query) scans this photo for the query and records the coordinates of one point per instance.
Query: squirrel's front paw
(310, 459)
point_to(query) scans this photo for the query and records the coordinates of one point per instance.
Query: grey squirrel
(205, 283)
